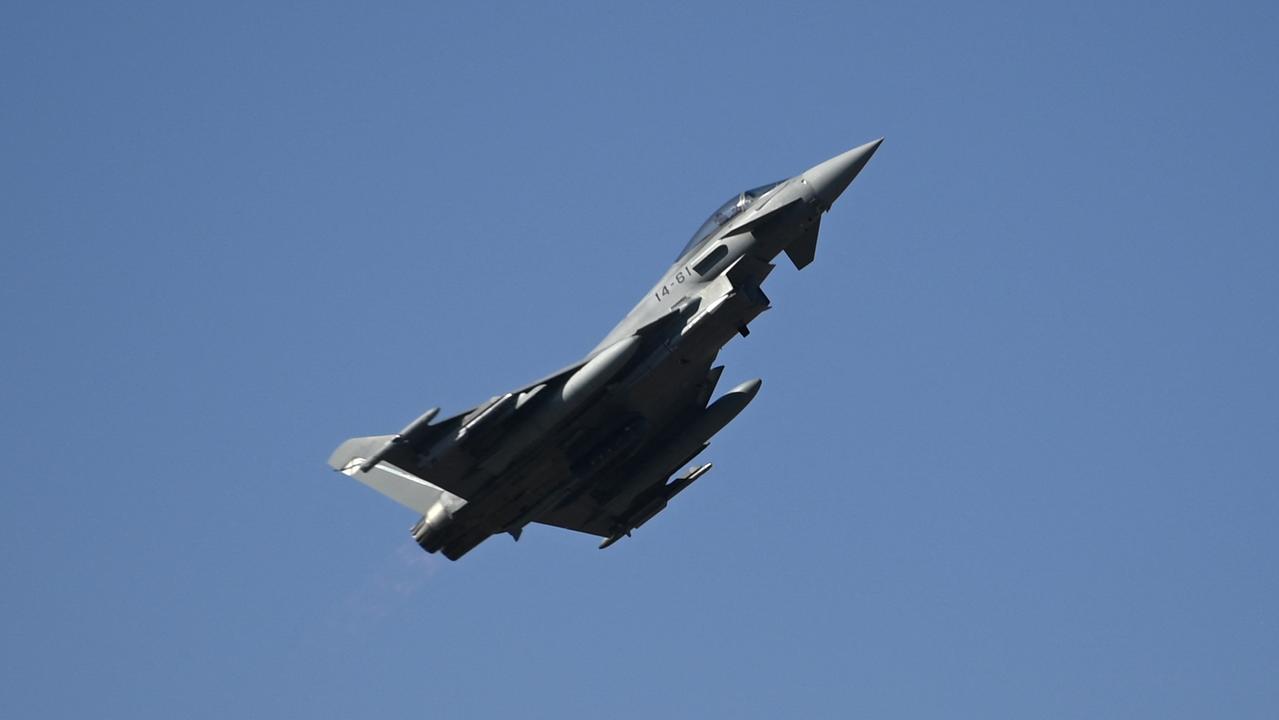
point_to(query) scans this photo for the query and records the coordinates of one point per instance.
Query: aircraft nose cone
(829, 179)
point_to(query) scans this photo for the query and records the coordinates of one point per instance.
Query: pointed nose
(829, 179)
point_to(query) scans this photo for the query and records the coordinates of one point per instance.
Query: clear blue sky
(1017, 450)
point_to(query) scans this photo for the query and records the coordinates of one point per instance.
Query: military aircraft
(593, 447)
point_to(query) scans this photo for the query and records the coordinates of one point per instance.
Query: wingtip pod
(829, 179)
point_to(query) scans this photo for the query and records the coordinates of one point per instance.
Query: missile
(495, 410)
(675, 488)
(723, 410)
(408, 435)
(418, 426)
(543, 411)
(653, 504)
(690, 440)
(597, 371)
(687, 445)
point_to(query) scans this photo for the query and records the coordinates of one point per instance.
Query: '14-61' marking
(682, 276)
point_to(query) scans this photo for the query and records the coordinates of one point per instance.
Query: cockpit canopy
(726, 212)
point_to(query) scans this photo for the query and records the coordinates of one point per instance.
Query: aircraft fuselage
(592, 447)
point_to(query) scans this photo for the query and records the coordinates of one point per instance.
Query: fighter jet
(595, 447)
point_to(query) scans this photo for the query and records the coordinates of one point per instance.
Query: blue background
(1016, 450)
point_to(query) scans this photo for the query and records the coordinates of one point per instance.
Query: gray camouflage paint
(593, 447)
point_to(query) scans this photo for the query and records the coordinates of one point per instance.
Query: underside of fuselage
(584, 471)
